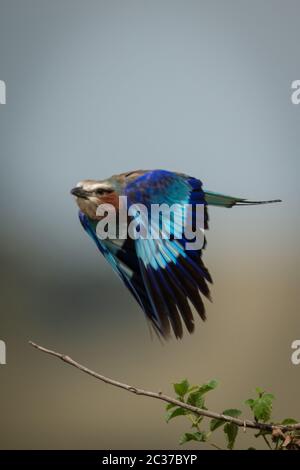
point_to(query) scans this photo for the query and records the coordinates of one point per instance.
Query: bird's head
(90, 194)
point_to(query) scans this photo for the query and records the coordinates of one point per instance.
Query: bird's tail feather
(221, 200)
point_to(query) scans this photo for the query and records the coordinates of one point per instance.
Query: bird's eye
(131, 173)
(103, 190)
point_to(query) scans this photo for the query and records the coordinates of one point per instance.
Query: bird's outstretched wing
(173, 277)
(123, 259)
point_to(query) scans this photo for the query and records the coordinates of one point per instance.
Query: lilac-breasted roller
(165, 278)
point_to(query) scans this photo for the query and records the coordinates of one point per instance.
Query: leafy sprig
(260, 406)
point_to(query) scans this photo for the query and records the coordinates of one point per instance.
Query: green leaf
(173, 413)
(259, 391)
(231, 431)
(195, 436)
(181, 388)
(196, 399)
(288, 421)
(215, 423)
(262, 405)
(250, 402)
(170, 406)
(262, 408)
(233, 412)
(269, 396)
(211, 385)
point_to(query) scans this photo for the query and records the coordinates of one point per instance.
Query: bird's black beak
(79, 192)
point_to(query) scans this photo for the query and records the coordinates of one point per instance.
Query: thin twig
(267, 442)
(165, 398)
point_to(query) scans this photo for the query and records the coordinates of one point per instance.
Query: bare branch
(165, 398)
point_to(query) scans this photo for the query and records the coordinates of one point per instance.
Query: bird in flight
(165, 277)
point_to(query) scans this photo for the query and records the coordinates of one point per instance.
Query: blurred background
(96, 88)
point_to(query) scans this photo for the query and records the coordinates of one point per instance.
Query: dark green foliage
(216, 423)
(231, 430)
(181, 388)
(261, 405)
(195, 436)
(261, 410)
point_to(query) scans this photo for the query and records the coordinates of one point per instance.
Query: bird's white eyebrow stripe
(92, 186)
